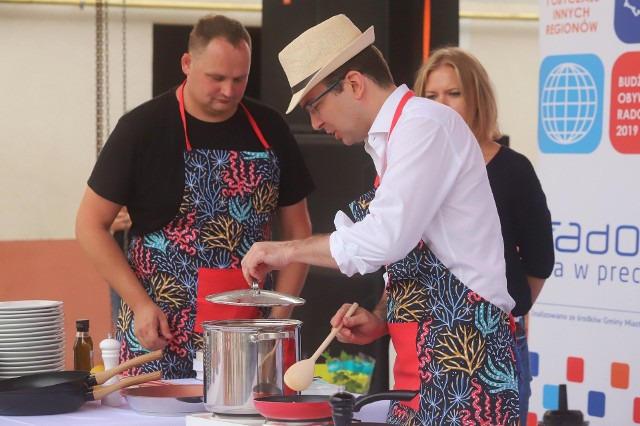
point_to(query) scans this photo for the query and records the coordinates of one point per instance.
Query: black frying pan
(43, 401)
(65, 391)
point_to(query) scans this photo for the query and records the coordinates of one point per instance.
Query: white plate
(8, 325)
(12, 332)
(33, 370)
(22, 314)
(31, 363)
(58, 359)
(27, 354)
(30, 345)
(57, 336)
(29, 305)
(26, 369)
(41, 311)
(31, 334)
(50, 357)
(32, 349)
(33, 367)
(17, 327)
(45, 316)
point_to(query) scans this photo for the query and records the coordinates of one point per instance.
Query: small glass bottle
(82, 347)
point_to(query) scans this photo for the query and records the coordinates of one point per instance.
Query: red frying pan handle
(103, 376)
(102, 391)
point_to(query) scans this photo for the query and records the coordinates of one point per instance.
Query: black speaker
(398, 28)
(444, 24)
(280, 25)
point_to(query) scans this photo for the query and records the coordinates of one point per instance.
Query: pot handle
(398, 395)
(273, 336)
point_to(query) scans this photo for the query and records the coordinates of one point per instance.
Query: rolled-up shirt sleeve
(420, 171)
(344, 252)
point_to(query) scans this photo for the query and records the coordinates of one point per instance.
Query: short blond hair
(475, 86)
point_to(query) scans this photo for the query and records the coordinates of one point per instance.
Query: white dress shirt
(433, 187)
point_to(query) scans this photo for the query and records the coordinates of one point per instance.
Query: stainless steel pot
(247, 358)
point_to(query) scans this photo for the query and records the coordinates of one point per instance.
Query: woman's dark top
(525, 221)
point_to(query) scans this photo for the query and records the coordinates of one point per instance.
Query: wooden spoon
(300, 375)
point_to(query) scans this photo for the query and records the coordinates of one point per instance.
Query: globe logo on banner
(569, 100)
(570, 119)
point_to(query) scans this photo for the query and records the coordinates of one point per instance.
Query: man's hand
(361, 328)
(151, 327)
(267, 256)
(264, 257)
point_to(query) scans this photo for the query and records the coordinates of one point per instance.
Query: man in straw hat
(431, 222)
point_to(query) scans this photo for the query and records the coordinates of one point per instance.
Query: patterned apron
(453, 345)
(228, 201)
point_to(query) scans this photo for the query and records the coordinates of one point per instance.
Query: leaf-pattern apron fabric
(454, 346)
(228, 201)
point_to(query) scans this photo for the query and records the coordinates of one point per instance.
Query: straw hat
(319, 51)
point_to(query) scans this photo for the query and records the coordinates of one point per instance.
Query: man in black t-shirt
(203, 172)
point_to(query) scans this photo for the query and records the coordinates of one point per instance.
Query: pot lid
(255, 297)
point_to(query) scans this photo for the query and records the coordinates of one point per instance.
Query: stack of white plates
(31, 337)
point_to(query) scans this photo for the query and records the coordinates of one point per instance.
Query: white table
(94, 414)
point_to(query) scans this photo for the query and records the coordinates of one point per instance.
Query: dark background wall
(341, 173)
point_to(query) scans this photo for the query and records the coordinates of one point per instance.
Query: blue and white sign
(570, 119)
(584, 328)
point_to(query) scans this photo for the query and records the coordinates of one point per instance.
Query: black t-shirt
(525, 222)
(142, 164)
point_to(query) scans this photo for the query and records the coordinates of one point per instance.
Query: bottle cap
(82, 325)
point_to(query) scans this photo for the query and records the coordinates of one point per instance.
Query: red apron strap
(256, 129)
(182, 113)
(183, 116)
(396, 117)
(398, 112)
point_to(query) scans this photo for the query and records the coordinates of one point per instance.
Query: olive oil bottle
(82, 347)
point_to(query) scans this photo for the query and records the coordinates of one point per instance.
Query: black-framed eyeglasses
(313, 109)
